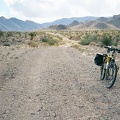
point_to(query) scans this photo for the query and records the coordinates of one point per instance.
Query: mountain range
(112, 23)
(74, 23)
(14, 24)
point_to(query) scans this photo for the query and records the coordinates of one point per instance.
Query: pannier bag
(98, 60)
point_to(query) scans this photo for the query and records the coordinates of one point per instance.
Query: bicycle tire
(111, 74)
(102, 72)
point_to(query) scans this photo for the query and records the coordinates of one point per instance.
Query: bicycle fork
(108, 61)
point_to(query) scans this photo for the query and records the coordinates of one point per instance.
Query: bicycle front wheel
(102, 72)
(111, 74)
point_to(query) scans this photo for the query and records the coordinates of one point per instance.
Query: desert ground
(55, 83)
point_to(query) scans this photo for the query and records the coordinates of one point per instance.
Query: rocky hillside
(100, 23)
(75, 22)
(58, 27)
(115, 20)
(14, 24)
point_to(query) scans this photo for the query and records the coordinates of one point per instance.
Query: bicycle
(108, 66)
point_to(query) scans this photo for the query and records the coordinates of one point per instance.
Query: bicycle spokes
(111, 74)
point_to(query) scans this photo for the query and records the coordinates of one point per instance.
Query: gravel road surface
(54, 83)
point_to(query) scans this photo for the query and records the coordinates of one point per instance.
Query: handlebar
(109, 48)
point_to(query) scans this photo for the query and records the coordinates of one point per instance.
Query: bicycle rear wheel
(111, 74)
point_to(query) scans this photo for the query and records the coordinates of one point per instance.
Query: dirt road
(56, 83)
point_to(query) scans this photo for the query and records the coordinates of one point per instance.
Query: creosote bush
(105, 37)
(32, 34)
(9, 34)
(33, 43)
(86, 40)
(107, 41)
(6, 44)
(48, 40)
(1, 33)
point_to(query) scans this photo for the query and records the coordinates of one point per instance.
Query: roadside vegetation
(50, 38)
(33, 39)
(98, 37)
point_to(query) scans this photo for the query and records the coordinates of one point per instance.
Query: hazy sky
(49, 10)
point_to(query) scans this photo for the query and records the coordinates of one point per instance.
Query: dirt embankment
(54, 83)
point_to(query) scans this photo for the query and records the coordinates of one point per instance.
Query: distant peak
(116, 16)
(13, 18)
(75, 22)
(102, 19)
(2, 17)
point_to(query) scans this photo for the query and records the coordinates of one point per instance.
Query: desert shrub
(87, 39)
(116, 40)
(106, 40)
(44, 39)
(32, 34)
(48, 40)
(51, 42)
(6, 44)
(1, 33)
(9, 34)
(33, 43)
(85, 42)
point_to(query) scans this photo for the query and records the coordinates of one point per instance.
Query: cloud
(39, 8)
(10, 2)
(53, 9)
